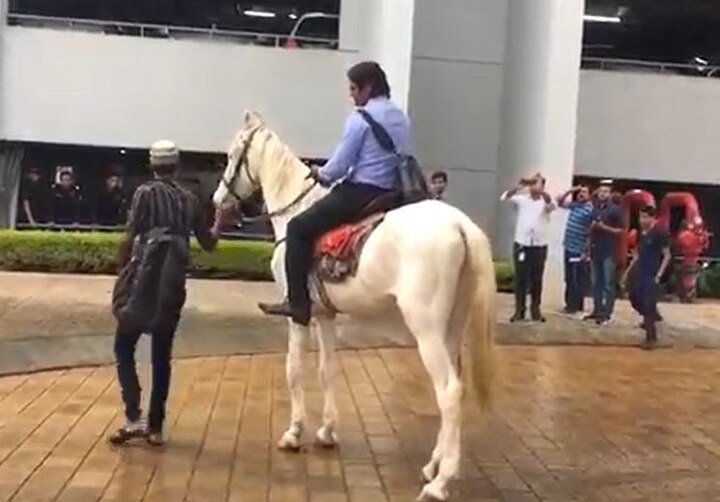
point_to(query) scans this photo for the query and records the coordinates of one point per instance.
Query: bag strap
(381, 135)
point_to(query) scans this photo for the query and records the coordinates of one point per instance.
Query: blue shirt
(604, 244)
(578, 223)
(650, 251)
(359, 158)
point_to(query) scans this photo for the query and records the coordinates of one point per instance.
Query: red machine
(690, 241)
(631, 202)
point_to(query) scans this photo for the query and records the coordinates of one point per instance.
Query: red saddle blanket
(337, 253)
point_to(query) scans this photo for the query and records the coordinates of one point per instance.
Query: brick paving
(570, 423)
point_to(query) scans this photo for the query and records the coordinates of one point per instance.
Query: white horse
(428, 260)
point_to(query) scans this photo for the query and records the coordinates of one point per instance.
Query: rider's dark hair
(439, 175)
(370, 73)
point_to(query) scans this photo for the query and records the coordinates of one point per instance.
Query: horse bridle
(244, 165)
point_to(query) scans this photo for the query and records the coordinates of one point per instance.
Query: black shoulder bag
(411, 181)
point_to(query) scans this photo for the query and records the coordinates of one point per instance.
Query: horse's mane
(278, 156)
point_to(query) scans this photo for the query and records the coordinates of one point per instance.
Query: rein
(242, 161)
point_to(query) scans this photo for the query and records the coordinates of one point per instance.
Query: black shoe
(132, 430)
(278, 309)
(603, 321)
(590, 317)
(538, 317)
(517, 317)
(649, 344)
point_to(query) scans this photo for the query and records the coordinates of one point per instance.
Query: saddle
(337, 252)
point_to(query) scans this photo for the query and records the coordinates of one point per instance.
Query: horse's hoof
(289, 442)
(326, 438)
(433, 491)
(430, 471)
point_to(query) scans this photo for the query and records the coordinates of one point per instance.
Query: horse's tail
(479, 334)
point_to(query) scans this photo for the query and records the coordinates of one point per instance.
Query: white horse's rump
(427, 260)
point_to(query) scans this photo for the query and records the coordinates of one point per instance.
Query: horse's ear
(253, 118)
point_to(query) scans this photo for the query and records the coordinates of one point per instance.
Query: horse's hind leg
(448, 391)
(326, 435)
(427, 304)
(294, 372)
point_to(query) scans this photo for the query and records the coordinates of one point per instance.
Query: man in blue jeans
(577, 202)
(605, 231)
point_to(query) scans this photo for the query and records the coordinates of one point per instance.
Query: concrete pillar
(3, 25)
(539, 113)
(444, 62)
(382, 31)
(491, 87)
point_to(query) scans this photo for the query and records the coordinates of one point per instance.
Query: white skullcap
(164, 153)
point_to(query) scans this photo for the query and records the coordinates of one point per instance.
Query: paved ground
(51, 321)
(570, 423)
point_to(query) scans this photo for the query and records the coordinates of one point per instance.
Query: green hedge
(96, 253)
(709, 281)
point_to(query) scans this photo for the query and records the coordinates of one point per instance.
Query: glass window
(89, 188)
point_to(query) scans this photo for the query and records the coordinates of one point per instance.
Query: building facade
(494, 90)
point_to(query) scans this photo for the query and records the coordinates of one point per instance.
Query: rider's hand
(315, 175)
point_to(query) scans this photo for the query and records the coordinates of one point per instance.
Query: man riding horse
(367, 170)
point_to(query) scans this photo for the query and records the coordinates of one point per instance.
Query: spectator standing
(66, 198)
(575, 246)
(530, 248)
(34, 199)
(438, 184)
(646, 271)
(111, 207)
(605, 230)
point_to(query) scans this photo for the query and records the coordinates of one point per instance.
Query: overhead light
(700, 60)
(592, 18)
(259, 13)
(293, 16)
(123, 151)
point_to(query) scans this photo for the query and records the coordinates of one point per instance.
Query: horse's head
(242, 173)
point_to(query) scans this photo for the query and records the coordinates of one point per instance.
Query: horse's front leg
(294, 373)
(326, 435)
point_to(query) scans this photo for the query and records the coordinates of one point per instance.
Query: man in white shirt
(530, 248)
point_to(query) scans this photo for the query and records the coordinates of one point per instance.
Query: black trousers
(529, 270)
(126, 339)
(643, 293)
(342, 205)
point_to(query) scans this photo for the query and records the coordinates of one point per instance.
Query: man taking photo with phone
(530, 248)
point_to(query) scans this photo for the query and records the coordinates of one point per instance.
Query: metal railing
(148, 30)
(610, 64)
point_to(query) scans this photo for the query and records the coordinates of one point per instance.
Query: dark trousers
(643, 298)
(126, 339)
(577, 278)
(342, 205)
(604, 286)
(529, 270)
